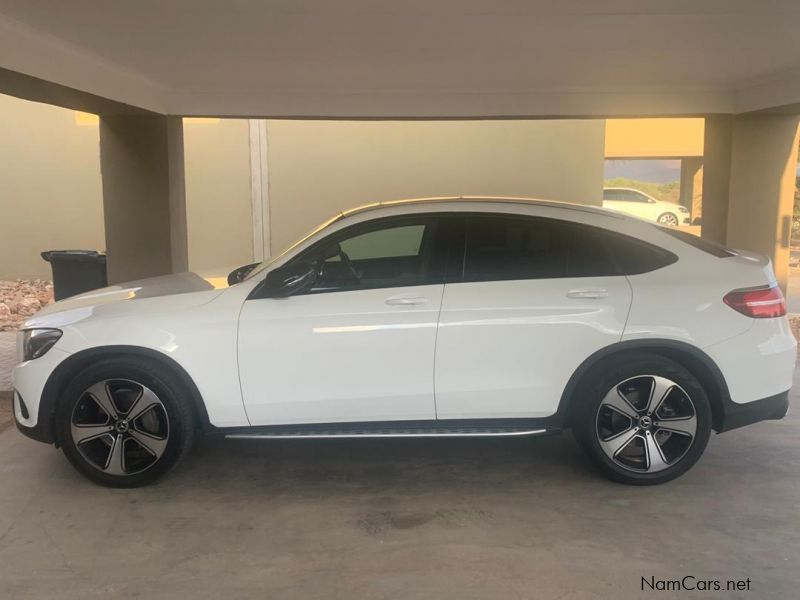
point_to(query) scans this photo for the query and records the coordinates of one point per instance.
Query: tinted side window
(400, 241)
(610, 195)
(508, 248)
(589, 255)
(382, 254)
(635, 256)
(631, 196)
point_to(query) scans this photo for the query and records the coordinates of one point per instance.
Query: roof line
(499, 199)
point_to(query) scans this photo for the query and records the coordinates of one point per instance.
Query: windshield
(264, 265)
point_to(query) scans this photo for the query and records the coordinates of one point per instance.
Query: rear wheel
(124, 422)
(644, 420)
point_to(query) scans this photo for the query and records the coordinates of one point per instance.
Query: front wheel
(668, 219)
(124, 422)
(643, 420)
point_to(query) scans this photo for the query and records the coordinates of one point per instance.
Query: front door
(358, 345)
(536, 298)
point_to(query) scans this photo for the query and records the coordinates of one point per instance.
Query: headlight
(683, 209)
(36, 342)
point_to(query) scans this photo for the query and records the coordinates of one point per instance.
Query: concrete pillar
(762, 183)
(716, 176)
(691, 183)
(144, 200)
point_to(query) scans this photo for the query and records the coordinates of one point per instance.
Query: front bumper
(42, 431)
(29, 379)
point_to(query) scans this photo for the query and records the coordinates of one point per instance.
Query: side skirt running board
(297, 433)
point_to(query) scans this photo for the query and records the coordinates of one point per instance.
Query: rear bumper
(767, 409)
(759, 363)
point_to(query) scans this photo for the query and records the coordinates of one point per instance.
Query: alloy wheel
(646, 423)
(668, 219)
(120, 427)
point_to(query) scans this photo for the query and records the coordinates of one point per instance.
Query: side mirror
(239, 274)
(288, 280)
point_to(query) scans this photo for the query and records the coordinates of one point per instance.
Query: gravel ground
(21, 299)
(18, 300)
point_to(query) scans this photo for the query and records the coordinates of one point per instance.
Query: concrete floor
(402, 519)
(6, 411)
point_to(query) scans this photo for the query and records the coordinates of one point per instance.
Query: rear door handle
(406, 301)
(589, 293)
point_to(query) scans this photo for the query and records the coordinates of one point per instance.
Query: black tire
(627, 375)
(173, 421)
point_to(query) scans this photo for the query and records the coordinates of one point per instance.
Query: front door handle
(589, 293)
(406, 301)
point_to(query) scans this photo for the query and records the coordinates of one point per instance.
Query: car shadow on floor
(423, 464)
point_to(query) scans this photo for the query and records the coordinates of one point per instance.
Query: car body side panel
(360, 355)
(684, 302)
(663, 308)
(649, 211)
(198, 330)
(506, 349)
(28, 380)
(758, 363)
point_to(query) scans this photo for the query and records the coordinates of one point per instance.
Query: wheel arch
(699, 364)
(61, 375)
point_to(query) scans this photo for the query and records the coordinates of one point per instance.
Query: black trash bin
(76, 271)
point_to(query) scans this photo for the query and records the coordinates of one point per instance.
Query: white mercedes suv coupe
(448, 317)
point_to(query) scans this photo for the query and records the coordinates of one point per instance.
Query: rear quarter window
(635, 257)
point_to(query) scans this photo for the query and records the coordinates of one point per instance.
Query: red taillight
(760, 303)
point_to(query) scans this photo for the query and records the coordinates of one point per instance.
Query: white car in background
(443, 317)
(638, 204)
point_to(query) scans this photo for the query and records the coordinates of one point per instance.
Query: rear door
(536, 297)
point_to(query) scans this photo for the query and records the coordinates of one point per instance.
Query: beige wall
(318, 168)
(51, 185)
(218, 204)
(50, 193)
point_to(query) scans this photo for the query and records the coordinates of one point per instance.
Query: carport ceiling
(415, 58)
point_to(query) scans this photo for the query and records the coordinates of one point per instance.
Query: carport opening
(255, 185)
